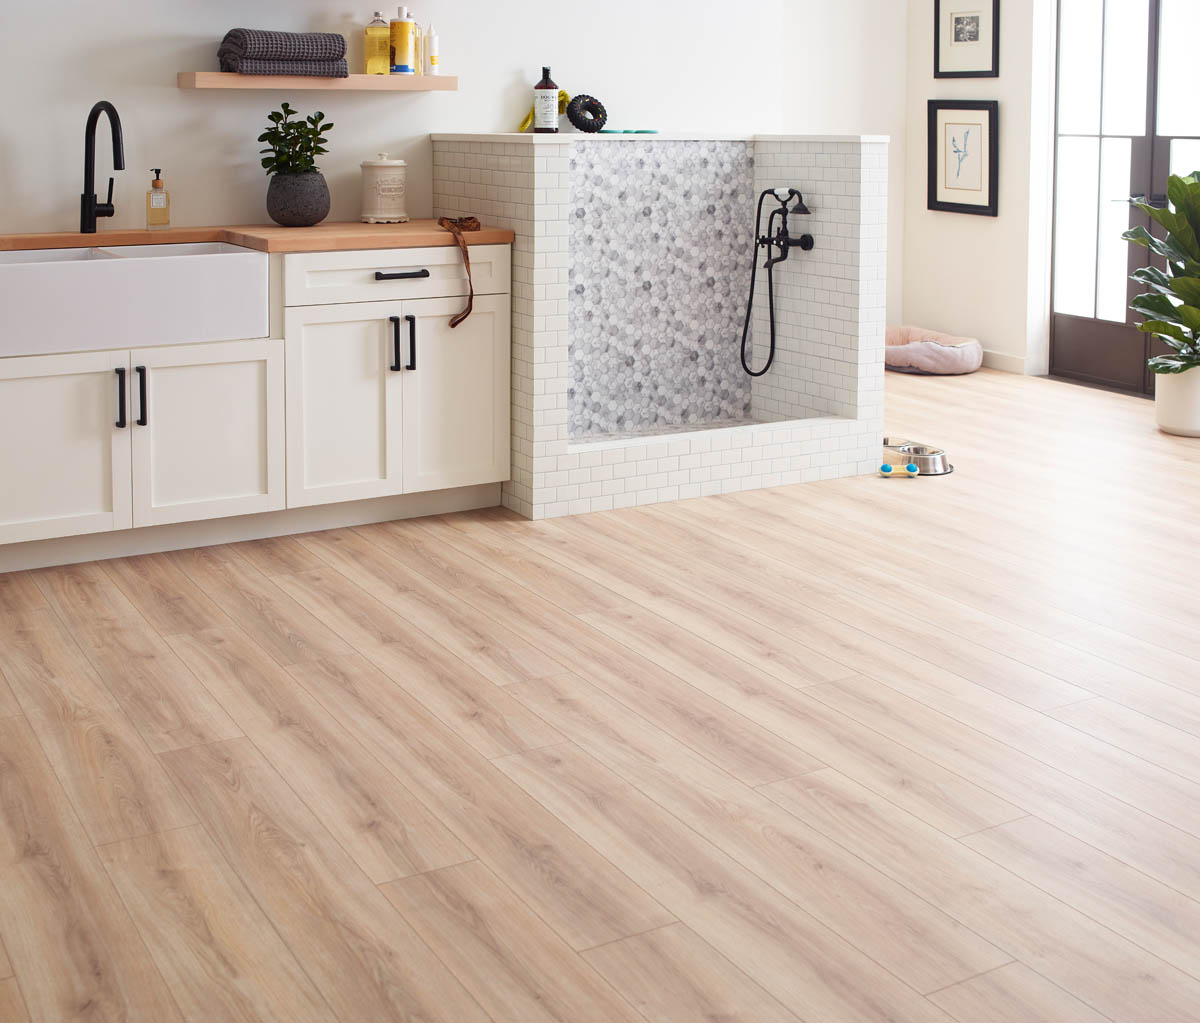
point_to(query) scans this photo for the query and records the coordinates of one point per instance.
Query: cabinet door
(456, 399)
(64, 460)
(343, 398)
(208, 434)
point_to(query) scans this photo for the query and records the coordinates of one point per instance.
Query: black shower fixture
(778, 242)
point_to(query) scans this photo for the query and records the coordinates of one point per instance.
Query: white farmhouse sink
(130, 296)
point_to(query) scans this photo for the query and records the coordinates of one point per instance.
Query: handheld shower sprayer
(782, 241)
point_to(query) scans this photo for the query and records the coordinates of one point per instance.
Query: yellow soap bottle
(158, 203)
(377, 46)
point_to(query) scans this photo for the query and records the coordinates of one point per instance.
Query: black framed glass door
(1126, 119)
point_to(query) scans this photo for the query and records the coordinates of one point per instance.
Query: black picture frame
(992, 108)
(993, 71)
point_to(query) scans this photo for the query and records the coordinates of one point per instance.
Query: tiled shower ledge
(686, 431)
(573, 136)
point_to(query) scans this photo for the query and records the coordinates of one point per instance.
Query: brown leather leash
(456, 227)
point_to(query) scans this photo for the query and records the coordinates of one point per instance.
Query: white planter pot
(1177, 402)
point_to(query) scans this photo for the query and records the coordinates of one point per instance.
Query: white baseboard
(1002, 361)
(150, 539)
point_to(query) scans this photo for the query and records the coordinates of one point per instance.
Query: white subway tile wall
(821, 406)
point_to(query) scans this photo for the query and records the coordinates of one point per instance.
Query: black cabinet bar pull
(407, 275)
(395, 367)
(412, 342)
(121, 421)
(142, 418)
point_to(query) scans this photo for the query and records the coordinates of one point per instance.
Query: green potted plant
(297, 195)
(1172, 305)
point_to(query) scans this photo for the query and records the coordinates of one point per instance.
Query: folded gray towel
(262, 44)
(308, 68)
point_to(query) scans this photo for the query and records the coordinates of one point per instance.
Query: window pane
(1178, 112)
(1075, 226)
(1112, 270)
(1080, 44)
(1126, 43)
(1185, 156)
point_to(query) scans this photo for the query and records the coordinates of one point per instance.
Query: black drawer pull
(395, 367)
(407, 275)
(121, 421)
(412, 342)
(143, 417)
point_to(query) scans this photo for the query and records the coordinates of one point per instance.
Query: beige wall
(980, 276)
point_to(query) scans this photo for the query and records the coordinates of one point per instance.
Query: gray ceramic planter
(298, 200)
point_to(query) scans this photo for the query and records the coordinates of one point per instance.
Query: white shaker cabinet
(384, 397)
(64, 446)
(456, 399)
(208, 431)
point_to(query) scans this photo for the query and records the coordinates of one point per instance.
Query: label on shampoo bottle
(545, 108)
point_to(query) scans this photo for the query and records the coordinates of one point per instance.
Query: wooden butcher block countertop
(332, 237)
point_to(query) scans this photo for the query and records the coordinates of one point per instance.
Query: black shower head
(785, 195)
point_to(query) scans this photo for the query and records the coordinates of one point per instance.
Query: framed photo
(966, 38)
(964, 157)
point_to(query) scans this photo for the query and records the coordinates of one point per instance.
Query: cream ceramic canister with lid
(383, 191)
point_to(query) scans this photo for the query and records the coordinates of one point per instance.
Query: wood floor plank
(268, 615)
(117, 786)
(277, 555)
(12, 1005)
(1104, 970)
(1119, 828)
(1013, 994)
(797, 600)
(494, 652)
(1145, 737)
(749, 751)
(6, 969)
(386, 830)
(1150, 914)
(934, 794)
(467, 702)
(362, 956)
(672, 976)
(72, 945)
(157, 693)
(208, 938)
(789, 953)
(514, 965)
(577, 892)
(573, 593)
(164, 595)
(901, 932)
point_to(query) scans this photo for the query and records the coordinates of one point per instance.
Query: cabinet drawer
(323, 278)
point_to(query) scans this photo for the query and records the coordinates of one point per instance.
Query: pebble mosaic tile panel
(659, 244)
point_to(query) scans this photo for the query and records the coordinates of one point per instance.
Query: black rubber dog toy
(587, 113)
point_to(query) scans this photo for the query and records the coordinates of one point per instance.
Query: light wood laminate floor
(851, 752)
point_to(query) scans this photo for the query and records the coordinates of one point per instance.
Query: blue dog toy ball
(911, 467)
(885, 468)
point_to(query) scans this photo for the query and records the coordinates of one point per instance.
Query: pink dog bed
(915, 350)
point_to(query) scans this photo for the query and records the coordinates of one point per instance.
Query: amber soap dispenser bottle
(545, 104)
(158, 202)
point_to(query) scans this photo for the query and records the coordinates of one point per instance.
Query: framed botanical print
(964, 158)
(966, 38)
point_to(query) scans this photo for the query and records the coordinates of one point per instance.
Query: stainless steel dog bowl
(930, 461)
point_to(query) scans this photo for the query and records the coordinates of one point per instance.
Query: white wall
(980, 276)
(847, 64)
(676, 65)
(129, 52)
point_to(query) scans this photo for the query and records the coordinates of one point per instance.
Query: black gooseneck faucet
(89, 208)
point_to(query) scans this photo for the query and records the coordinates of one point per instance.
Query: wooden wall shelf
(355, 83)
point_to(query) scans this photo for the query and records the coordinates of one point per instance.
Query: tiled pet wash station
(630, 269)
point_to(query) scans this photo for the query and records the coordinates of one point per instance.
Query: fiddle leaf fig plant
(293, 146)
(1172, 305)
